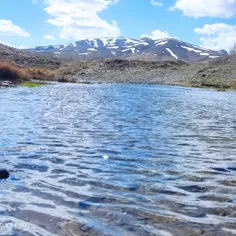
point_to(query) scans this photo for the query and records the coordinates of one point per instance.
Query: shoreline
(35, 84)
(175, 73)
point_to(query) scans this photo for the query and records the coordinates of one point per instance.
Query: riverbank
(217, 75)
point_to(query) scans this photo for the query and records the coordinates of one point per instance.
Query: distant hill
(23, 58)
(128, 48)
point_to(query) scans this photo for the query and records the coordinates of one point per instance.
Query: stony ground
(217, 75)
(221, 75)
(123, 71)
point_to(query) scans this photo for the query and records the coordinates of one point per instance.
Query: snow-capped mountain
(142, 48)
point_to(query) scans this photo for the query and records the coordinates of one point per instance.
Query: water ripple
(118, 160)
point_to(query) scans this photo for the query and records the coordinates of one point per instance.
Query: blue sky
(28, 23)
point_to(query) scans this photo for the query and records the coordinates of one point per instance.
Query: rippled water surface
(118, 160)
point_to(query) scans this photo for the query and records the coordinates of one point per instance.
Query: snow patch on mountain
(162, 43)
(128, 40)
(191, 49)
(84, 53)
(213, 57)
(172, 54)
(92, 49)
(143, 43)
(204, 54)
(133, 50)
(129, 46)
(113, 47)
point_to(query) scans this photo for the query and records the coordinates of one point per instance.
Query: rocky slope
(24, 59)
(127, 48)
(220, 74)
(123, 71)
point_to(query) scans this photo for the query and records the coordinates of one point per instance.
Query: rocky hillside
(127, 48)
(25, 59)
(220, 73)
(121, 71)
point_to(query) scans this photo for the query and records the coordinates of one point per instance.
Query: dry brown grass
(38, 73)
(234, 85)
(11, 72)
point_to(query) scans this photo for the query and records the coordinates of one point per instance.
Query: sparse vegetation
(220, 61)
(232, 52)
(32, 84)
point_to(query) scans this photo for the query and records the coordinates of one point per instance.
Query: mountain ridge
(128, 48)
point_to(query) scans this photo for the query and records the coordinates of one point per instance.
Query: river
(117, 159)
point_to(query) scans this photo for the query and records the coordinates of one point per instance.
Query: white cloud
(157, 34)
(79, 19)
(7, 28)
(214, 28)
(157, 3)
(49, 37)
(210, 8)
(217, 36)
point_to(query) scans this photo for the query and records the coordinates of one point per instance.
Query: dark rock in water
(4, 174)
(193, 189)
(220, 169)
(232, 168)
(84, 205)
